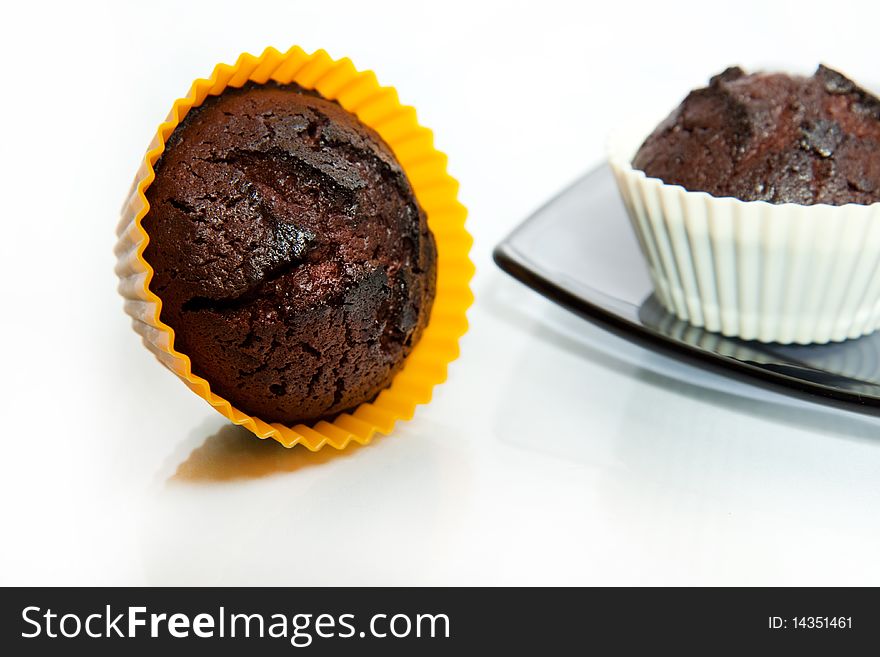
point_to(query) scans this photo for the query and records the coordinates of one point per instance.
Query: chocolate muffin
(771, 137)
(290, 254)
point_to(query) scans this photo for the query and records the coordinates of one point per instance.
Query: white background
(554, 454)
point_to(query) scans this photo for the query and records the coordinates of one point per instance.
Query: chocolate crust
(771, 137)
(290, 254)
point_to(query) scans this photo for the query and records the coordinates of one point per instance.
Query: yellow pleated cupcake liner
(378, 107)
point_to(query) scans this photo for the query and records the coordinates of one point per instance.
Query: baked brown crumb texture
(291, 257)
(772, 137)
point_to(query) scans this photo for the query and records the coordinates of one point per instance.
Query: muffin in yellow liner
(425, 167)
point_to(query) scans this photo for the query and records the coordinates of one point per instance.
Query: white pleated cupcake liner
(750, 269)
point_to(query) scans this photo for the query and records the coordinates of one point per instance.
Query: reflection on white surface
(242, 510)
(766, 498)
(589, 461)
(231, 453)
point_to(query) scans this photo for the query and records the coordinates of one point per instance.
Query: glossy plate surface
(579, 251)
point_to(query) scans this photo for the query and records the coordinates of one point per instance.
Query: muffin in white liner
(754, 270)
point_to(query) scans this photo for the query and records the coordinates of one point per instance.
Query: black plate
(579, 251)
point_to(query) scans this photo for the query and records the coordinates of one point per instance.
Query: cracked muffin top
(290, 254)
(771, 137)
